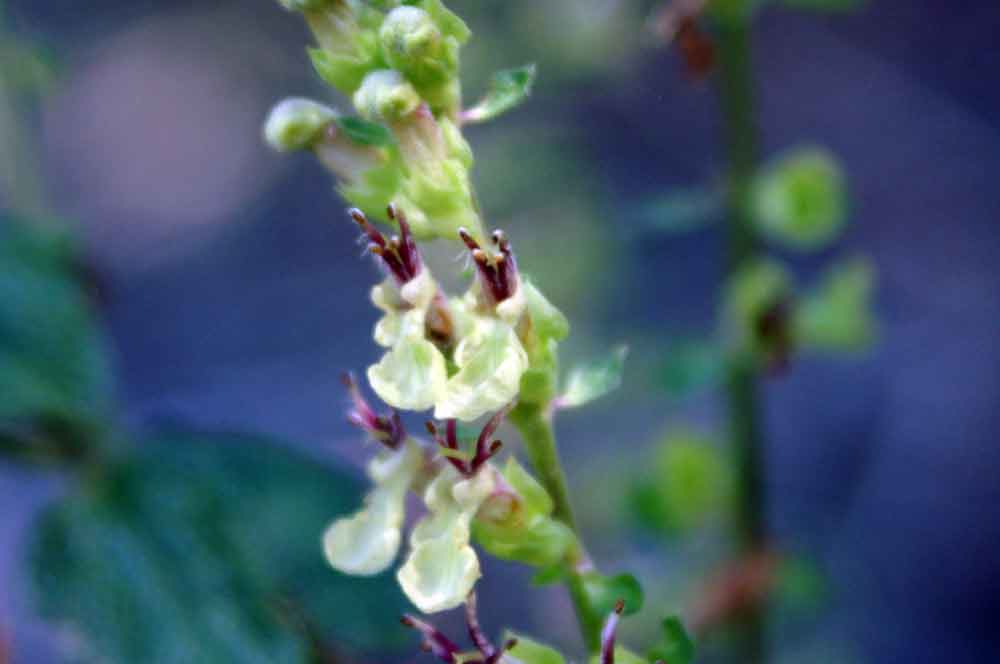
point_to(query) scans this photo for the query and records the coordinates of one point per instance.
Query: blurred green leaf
(691, 366)
(206, 548)
(605, 591)
(679, 211)
(364, 132)
(689, 484)
(508, 89)
(677, 646)
(595, 380)
(54, 373)
(838, 315)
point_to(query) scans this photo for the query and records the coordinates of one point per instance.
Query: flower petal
(412, 375)
(367, 542)
(491, 361)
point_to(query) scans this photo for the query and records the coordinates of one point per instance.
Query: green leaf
(690, 367)
(364, 132)
(206, 548)
(54, 372)
(677, 647)
(593, 381)
(679, 211)
(604, 591)
(829, 6)
(528, 651)
(508, 88)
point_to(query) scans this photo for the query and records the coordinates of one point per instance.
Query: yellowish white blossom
(442, 567)
(367, 542)
(491, 361)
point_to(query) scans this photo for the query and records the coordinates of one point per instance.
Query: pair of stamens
(468, 465)
(435, 642)
(497, 269)
(386, 429)
(399, 253)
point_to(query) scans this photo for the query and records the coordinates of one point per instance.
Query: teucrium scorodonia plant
(484, 355)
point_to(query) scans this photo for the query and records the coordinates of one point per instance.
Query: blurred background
(233, 294)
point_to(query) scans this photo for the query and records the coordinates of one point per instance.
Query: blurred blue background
(235, 294)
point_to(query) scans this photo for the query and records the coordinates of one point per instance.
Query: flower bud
(414, 45)
(385, 96)
(296, 124)
(754, 308)
(801, 200)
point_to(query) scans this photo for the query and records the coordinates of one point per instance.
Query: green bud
(297, 124)
(385, 96)
(414, 45)
(692, 480)
(801, 200)
(753, 291)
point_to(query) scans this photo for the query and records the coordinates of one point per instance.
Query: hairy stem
(539, 438)
(738, 104)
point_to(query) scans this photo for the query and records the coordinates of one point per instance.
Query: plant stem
(738, 104)
(535, 427)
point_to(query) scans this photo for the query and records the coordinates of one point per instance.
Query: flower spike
(609, 632)
(387, 429)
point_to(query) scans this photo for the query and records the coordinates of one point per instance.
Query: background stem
(540, 443)
(738, 107)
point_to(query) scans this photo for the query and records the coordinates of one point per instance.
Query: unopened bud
(297, 124)
(414, 45)
(385, 96)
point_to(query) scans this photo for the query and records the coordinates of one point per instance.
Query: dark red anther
(485, 449)
(446, 650)
(609, 632)
(773, 331)
(399, 254)
(497, 270)
(387, 429)
(449, 441)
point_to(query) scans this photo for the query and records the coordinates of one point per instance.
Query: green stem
(737, 97)
(535, 427)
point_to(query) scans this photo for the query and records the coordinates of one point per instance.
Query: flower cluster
(399, 65)
(464, 493)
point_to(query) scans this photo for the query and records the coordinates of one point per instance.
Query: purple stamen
(388, 430)
(609, 632)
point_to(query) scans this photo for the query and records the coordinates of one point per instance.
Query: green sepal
(529, 651)
(363, 132)
(595, 380)
(508, 89)
(677, 646)
(604, 592)
(343, 72)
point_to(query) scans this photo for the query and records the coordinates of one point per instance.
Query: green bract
(838, 315)
(527, 533)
